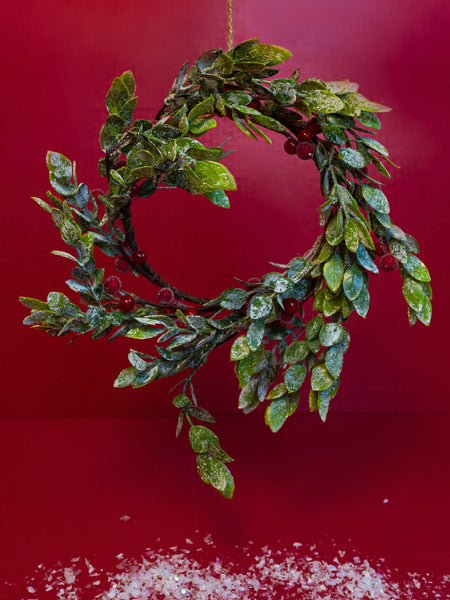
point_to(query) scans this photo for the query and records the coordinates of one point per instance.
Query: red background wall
(58, 62)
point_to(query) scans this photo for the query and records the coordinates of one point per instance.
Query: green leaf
(296, 352)
(219, 198)
(201, 438)
(240, 348)
(294, 376)
(111, 131)
(277, 391)
(236, 98)
(58, 302)
(212, 175)
(369, 119)
(322, 101)
(414, 294)
(334, 232)
(201, 126)
(351, 107)
(375, 198)
(33, 303)
(248, 398)
(269, 123)
(323, 404)
(144, 377)
(332, 305)
(200, 413)
(217, 474)
(325, 252)
(333, 271)
(233, 298)
(143, 332)
(343, 86)
(266, 54)
(351, 235)
(202, 466)
(334, 134)
(321, 378)
(399, 250)
(117, 96)
(353, 282)
(246, 367)
(334, 360)
(374, 145)
(352, 158)
(181, 401)
(425, 314)
(416, 268)
(380, 167)
(70, 232)
(260, 307)
(365, 261)
(313, 327)
(369, 106)
(361, 303)
(202, 108)
(229, 489)
(125, 377)
(60, 166)
(128, 80)
(411, 244)
(277, 413)
(242, 125)
(42, 204)
(77, 286)
(283, 91)
(330, 334)
(255, 334)
(364, 235)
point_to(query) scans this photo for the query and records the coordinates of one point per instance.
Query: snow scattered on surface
(297, 572)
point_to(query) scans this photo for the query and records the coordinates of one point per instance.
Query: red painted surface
(59, 61)
(66, 483)
(73, 480)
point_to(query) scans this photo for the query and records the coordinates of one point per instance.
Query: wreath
(286, 327)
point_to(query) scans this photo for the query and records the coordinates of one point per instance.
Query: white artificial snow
(297, 572)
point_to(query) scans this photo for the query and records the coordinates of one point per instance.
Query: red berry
(388, 263)
(190, 312)
(290, 306)
(122, 265)
(290, 146)
(134, 190)
(286, 318)
(139, 257)
(113, 284)
(166, 296)
(314, 126)
(119, 164)
(127, 303)
(244, 307)
(255, 104)
(379, 249)
(305, 135)
(305, 150)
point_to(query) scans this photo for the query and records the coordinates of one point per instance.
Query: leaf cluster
(276, 354)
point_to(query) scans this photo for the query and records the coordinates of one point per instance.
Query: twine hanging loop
(230, 24)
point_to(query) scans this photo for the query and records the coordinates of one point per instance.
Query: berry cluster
(304, 147)
(388, 262)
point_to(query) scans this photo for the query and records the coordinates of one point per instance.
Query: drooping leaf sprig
(287, 327)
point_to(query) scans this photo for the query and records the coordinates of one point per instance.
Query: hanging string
(230, 24)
